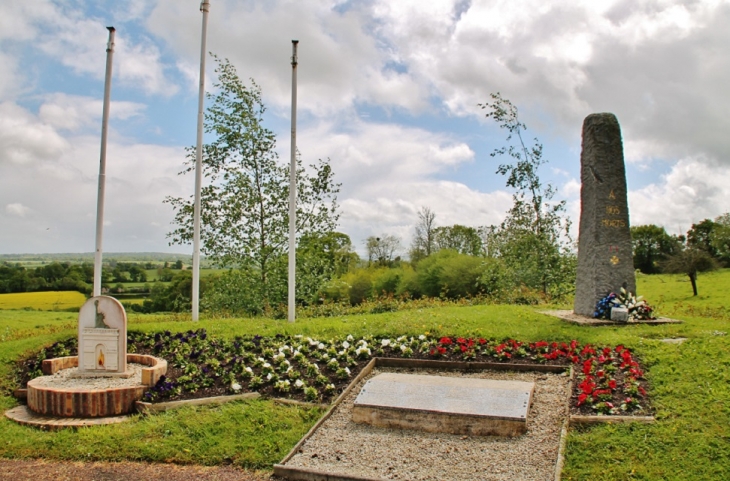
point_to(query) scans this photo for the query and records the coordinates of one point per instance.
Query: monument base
(466, 406)
(88, 374)
(573, 318)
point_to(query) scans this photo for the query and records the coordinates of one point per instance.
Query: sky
(388, 91)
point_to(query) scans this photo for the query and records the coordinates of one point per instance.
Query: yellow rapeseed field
(44, 301)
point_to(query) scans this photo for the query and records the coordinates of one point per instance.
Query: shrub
(449, 274)
(361, 286)
(386, 281)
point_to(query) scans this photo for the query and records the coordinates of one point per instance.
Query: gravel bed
(341, 446)
(64, 379)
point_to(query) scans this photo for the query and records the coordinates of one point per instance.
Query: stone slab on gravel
(340, 447)
(444, 404)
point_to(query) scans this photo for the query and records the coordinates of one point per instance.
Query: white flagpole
(204, 6)
(102, 163)
(293, 188)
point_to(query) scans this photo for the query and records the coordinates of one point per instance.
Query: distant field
(44, 301)
(204, 272)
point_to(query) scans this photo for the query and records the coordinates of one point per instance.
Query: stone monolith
(605, 262)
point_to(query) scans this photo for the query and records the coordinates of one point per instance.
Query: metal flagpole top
(110, 42)
(204, 5)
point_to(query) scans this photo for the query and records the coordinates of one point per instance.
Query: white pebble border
(64, 379)
(343, 447)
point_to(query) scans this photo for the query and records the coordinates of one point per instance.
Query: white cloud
(692, 191)
(71, 112)
(340, 62)
(659, 65)
(20, 20)
(131, 10)
(141, 65)
(389, 171)
(60, 183)
(23, 139)
(64, 34)
(17, 210)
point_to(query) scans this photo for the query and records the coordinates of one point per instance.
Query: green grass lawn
(689, 387)
(204, 272)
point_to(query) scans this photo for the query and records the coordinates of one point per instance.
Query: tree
(382, 250)
(689, 261)
(720, 238)
(423, 238)
(533, 239)
(244, 215)
(700, 236)
(172, 297)
(459, 238)
(652, 245)
(319, 259)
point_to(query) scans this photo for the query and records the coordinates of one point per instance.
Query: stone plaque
(605, 261)
(102, 337)
(445, 404)
(620, 314)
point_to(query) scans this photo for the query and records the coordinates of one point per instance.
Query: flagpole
(293, 188)
(102, 163)
(204, 7)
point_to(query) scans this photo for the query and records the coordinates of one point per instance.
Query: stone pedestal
(445, 404)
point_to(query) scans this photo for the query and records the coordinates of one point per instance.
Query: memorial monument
(605, 259)
(102, 338)
(69, 393)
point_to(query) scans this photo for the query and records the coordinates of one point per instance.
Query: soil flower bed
(609, 379)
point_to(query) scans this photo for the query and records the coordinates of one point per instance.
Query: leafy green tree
(120, 274)
(700, 236)
(689, 261)
(652, 245)
(174, 296)
(459, 238)
(137, 274)
(533, 239)
(54, 271)
(423, 244)
(165, 274)
(245, 215)
(720, 238)
(319, 259)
